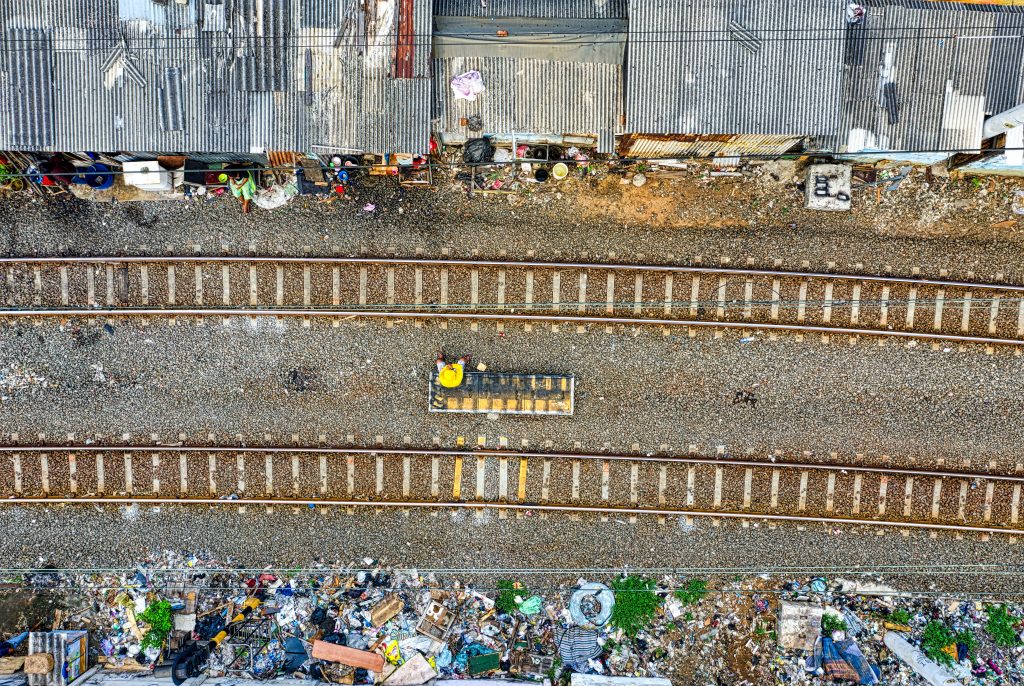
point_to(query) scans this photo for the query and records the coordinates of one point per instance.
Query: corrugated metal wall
(531, 96)
(251, 76)
(932, 47)
(728, 66)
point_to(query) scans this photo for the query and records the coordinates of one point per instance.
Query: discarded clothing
(576, 644)
(827, 659)
(850, 651)
(468, 85)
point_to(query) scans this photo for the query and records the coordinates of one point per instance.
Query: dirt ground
(770, 194)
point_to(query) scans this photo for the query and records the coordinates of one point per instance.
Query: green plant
(688, 617)
(830, 623)
(158, 617)
(1000, 626)
(977, 182)
(899, 617)
(635, 603)
(934, 641)
(507, 592)
(692, 592)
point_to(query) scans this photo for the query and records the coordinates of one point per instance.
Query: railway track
(515, 481)
(503, 292)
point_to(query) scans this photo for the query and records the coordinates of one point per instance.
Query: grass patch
(1000, 626)
(507, 592)
(936, 637)
(692, 592)
(158, 617)
(635, 604)
(830, 623)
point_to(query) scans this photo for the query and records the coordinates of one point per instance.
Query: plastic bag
(477, 150)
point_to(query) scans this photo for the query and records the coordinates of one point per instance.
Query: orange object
(348, 656)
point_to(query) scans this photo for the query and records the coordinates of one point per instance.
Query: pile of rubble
(179, 617)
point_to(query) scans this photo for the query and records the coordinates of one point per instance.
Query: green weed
(635, 603)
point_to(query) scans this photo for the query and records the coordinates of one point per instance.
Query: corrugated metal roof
(944, 73)
(532, 96)
(732, 66)
(562, 9)
(211, 76)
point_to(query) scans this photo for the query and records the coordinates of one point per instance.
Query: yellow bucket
(560, 171)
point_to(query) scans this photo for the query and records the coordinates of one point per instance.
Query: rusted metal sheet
(646, 146)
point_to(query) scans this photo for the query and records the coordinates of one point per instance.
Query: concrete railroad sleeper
(515, 291)
(514, 481)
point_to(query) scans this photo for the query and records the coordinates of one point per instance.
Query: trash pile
(182, 617)
(852, 632)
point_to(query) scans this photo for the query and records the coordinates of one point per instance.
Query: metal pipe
(428, 452)
(609, 509)
(561, 319)
(407, 261)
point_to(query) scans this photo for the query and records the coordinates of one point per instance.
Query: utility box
(147, 175)
(67, 654)
(502, 393)
(827, 187)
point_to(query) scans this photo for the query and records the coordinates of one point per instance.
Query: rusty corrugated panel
(563, 9)
(642, 146)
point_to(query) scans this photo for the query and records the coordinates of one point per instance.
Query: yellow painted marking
(457, 483)
(521, 495)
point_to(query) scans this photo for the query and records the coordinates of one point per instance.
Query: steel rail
(504, 317)
(443, 452)
(520, 507)
(431, 262)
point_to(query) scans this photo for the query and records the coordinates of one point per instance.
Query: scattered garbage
(183, 617)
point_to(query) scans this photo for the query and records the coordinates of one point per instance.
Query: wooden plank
(348, 656)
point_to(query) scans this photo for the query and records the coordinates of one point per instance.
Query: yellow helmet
(450, 375)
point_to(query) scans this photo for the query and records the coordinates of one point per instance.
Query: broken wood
(348, 656)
